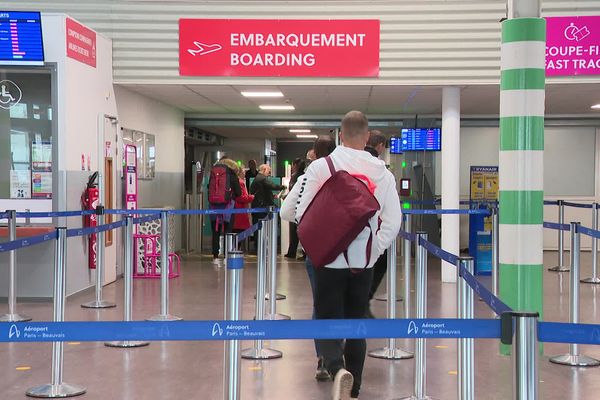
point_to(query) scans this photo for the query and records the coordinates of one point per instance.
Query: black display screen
(421, 139)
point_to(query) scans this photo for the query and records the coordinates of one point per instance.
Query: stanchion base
(390, 354)
(127, 344)
(99, 304)
(261, 354)
(167, 317)
(591, 280)
(383, 297)
(276, 317)
(14, 318)
(50, 391)
(575, 361)
(558, 268)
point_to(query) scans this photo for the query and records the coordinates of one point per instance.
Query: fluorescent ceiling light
(288, 107)
(262, 94)
(306, 136)
(596, 107)
(299, 130)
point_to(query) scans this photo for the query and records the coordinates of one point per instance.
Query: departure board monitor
(21, 38)
(421, 139)
(395, 145)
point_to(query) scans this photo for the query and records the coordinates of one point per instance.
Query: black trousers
(293, 247)
(217, 230)
(343, 294)
(379, 270)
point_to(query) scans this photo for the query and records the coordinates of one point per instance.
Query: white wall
(570, 160)
(144, 114)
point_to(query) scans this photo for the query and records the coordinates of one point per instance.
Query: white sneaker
(342, 385)
(216, 260)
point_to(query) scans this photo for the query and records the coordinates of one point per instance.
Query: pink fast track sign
(572, 46)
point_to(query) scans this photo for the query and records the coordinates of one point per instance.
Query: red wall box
(272, 48)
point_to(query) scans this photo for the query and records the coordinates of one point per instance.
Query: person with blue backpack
(349, 213)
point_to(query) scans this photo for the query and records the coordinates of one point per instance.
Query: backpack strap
(330, 164)
(367, 251)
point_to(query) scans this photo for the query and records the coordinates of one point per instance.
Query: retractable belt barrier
(26, 242)
(249, 232)
(458, 211)
(577, 205)
(79, 213)
(588, 232)
(557, 227)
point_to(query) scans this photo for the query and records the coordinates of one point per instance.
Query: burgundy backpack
(219, 185)
(340, 210)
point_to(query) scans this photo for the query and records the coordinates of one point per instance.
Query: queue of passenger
(342, 282)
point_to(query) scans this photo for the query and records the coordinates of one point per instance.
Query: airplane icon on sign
(203, 49)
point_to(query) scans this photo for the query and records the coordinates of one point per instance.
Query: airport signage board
(572, 46)
(279, 48)
(81, 43)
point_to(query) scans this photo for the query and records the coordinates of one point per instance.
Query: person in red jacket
(241, 222)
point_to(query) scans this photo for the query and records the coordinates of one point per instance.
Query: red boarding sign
(81, 43)
(302, 48)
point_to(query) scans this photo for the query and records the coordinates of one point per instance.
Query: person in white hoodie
(342, 292)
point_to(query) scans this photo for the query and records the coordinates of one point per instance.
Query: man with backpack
(223, 188)
(342, 284)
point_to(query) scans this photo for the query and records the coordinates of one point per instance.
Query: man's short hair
(324, 146)
(262, 168)
(376, 138)
(354, 124)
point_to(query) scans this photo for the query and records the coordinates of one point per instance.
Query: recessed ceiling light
(287, 107)
(299, 130)
(262, 94)
(306, 136)
(596, 107)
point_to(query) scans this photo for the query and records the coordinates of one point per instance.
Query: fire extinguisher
(89, 201)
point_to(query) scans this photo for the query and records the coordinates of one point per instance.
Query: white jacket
(390, 213)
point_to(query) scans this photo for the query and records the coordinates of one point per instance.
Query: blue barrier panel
(577, 205)
(132, 212)
(589, 232)
(407, 235)
(217, 211)
(438, 212)
(26, 242)
(249, 232)
(249, 330)
(557, 227)
(3, 215)
(54, 214)
(559, 332)
(94, 229)
(438, 252)
(497, 305)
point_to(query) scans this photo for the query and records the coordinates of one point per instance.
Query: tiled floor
(193, 370)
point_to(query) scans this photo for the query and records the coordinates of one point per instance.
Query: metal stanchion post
(495, 251)
(573, 358)
(466, 372)
(99, 302)
(273, 315)
(391, 352)
(57, 388)
(233, 295)
(258, 352)
(594, 278)
(164, 272)
(12, 315)
(407, 274)
(561, 241)
(420, 369)
(525, 356)
(127, 283)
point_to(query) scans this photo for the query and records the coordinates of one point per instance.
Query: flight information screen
(419, 139)
(395, 145)
(21, 38)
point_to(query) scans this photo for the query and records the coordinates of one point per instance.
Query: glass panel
(150, 155)
(25, 133)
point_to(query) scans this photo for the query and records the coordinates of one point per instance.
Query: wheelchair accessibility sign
(10, 94)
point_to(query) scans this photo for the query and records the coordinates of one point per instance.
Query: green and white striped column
(522, 94)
